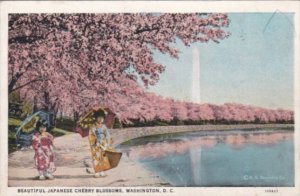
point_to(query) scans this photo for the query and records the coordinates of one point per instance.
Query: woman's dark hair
(41, 123)
(99, 113)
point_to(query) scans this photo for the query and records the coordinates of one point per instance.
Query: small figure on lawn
(42, 143)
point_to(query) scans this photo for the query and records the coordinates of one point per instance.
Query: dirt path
(71, 152)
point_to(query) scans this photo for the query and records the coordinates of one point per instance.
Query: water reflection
(195, 156)
(218, 158)
(235, 141)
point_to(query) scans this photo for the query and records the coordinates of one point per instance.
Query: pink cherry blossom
(71, 62)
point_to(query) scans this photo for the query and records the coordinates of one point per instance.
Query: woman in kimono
(42, 143)
(100, 141)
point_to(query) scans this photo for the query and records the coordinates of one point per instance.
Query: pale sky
(253, 66)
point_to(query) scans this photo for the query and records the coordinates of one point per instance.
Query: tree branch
(27, 83)
(24, 39)
(15, 78)
(28, 39)
(138, 31)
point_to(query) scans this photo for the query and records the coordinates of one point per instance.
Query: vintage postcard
(150, 98)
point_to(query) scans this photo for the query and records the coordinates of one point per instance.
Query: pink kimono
(44, 155)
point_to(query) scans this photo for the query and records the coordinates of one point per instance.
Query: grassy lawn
(56, 132)
(14, 122)
(13, 125)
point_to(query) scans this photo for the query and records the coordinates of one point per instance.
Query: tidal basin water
(231, 158)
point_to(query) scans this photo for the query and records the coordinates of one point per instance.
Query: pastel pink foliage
(70, 62)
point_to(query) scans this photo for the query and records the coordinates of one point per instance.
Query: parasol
(87, 120)
(26, 129)
(111, 158)
(29, 124)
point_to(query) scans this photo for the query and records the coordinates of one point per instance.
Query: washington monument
(195, 90)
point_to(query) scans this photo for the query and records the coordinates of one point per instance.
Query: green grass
(56, 132)
(12, 125)
(14, 122)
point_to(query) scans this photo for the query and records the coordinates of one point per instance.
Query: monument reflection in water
(264, 158)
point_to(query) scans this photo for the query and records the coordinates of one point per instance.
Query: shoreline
(214, 132)
(126, 134)
(72, 150)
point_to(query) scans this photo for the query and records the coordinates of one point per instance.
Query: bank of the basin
(123, 135)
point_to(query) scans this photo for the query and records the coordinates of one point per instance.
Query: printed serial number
(271, 190)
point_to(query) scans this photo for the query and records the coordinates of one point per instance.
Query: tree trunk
(75, 116)
(11, 85)
(35, 108)
(46, 101)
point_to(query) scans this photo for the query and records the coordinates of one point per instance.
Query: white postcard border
(150, 6)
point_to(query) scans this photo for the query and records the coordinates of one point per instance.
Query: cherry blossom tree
(206, 112)
(165, 109)
(72, 61)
